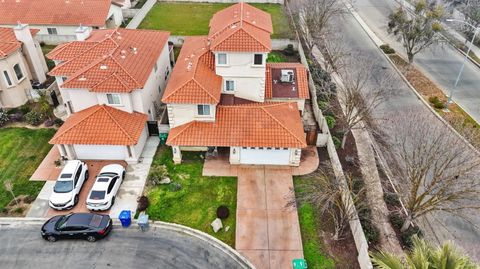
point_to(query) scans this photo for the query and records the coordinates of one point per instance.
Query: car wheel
(86, 175)
(75, 200)
(91, 238)
(51, 238)
(113, 201)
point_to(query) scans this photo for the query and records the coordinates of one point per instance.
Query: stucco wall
(117, 16)
(16, 95)
(179, 114)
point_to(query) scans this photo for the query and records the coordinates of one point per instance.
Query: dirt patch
(18, 207)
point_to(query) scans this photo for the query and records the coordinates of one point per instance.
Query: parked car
(88, 226)
(107, 183)
(69, 183)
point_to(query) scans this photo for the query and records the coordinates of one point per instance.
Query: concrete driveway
(160, 247)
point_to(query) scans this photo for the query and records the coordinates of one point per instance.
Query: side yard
(191, 199)
(193, 18)
(21, 151)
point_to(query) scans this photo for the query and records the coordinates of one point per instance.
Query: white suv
(102, 194)
(69, 183)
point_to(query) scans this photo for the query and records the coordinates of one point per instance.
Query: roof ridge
(283, 126)
(128, 73)
(71, 127)
(181, 86)
(185, 127)
(265, 46)
(114, 74)
(205, 90)
(117, 123)
(83, 70)
(243, 30)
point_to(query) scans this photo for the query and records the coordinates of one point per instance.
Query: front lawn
(195, 203)
(21, 151)
(186, 19)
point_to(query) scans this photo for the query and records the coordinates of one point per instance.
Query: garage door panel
(100, 152)
(265, 156)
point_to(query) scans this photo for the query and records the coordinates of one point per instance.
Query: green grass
(46, 49)
(193, 18)
(21, 151)
(195, 204)
(276, 57)
(313, 248)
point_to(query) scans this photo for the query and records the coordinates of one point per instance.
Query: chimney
(82, 33)
(36, 59)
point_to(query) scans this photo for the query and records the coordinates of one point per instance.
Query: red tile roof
(301, 80)
(55, 12)
(241, 28)
(249, 125)
(193, 78)
(8, 42)
(118, 60)
(101, 125)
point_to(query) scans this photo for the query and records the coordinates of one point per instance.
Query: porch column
(295, 155)
(70, 152)
(61, 149)
(234, 155)
(177, 154)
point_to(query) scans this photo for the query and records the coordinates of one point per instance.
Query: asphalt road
(404, 100)
(440, 62)
(123, 248)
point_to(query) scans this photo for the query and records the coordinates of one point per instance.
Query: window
(52, 31)
(258, 59)
(18, 72)
(111, 185)
(77, 175)
(222, 59)
(113, 99)
(8, 80)
(203, 110)
(229, 85)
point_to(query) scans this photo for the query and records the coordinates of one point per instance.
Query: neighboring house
(21, 60)
(223, 94)
(58, 20)
(110, 81)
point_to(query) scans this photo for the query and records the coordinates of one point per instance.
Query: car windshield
(62, 221)
(63, 186)
(66, 176)
(108, 174)
(103, 179)
(97, 195)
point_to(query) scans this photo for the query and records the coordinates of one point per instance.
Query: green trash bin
(299, 264)
(163, 138)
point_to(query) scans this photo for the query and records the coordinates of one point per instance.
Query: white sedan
(69, 183)
(107, 183)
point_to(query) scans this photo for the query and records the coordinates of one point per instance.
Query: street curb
(212, 241)
(373, 37)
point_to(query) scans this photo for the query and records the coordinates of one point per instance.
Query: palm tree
(424, 255)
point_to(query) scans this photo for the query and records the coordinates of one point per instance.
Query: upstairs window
(222, 59)
(203, 110)
(258, 59)
(113, 99)
(7, 78)
(18, 72)
(52, 31)
(229, 85)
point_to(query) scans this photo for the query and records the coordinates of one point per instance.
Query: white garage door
(264, 156)
(100, 152)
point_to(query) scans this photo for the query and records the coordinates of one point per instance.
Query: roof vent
(82, 78)
(293, 89)
(103, 67)
(123, 54)
(189, 66)
(134, 50)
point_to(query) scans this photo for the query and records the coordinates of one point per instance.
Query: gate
(153, 128)
(54, 97)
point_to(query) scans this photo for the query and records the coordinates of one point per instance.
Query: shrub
(58, 122)
(33, 117)
(142, 203)
(275, 58)
(330, 121)
(322, 105)
(223, 212)
(371, 232)
(406, 237)
(437, 103)
(157, 173)
(391, 199)
(18, 116)
(48, 123)
(387, 49)
(337, 142)
(25, 109)
(396, 220)
(289, 51)
(4, 118)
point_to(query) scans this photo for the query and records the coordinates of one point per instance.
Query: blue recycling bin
(125, 218)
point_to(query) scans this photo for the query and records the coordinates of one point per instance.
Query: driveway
(267, 232)
(159, 247)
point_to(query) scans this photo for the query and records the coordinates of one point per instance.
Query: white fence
(138, 18)
(228, 1)
(130, 12)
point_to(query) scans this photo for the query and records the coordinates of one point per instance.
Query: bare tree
(9, 187)
(435, 169)
(331, 199)
(335, 50)
(471, 11)
(314, 17)
(419, 30)
(362, 89)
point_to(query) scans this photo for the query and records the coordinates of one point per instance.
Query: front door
(54, 97)
(153, 128)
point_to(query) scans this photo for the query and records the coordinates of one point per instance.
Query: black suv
(87, 226)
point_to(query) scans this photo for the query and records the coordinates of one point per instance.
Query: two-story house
(58, 20)
(110, 82)
(223, 94)
(21, 60)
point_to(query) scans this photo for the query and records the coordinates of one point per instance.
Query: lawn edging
(214, 242)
